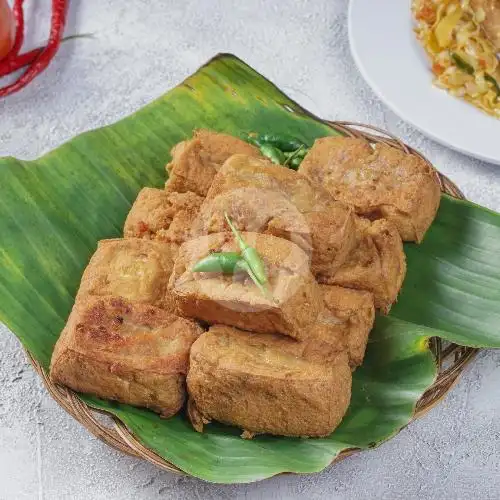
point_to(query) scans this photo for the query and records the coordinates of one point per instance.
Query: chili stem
(11, 64)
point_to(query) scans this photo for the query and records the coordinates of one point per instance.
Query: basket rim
(120, 438)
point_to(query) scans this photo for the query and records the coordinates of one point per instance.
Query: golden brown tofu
(265, 383)
(347, 320)
(196, 161)
(377, 264)
(255, 210)
(271, 199)
(235, 300)
(129, 352)
(157, 214)
(135, 269)
(379, 182)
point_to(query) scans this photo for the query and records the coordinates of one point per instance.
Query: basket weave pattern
(451, 358)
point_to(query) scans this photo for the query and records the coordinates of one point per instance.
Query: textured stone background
(140, 50)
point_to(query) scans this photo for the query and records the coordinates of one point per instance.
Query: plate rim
(393, 107)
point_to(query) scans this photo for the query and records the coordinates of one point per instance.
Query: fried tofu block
(129, 352)
(135, 269)
(377, 264)
(196, 161)
(379, 182)
(157, 214)
(263, 197)
(235, 300)
(347, 320)
(265, 383)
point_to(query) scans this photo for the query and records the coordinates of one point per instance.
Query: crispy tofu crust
(167, 217)
(265, 383)
(128, 352)
(377, 264)
(379, 182)
(196, 161)
(255, 210)
(235, 300)
(135, 269)
(348, 321)
(263, 197)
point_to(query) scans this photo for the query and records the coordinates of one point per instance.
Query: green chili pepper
(273, 153)
(263, 289)
(251, 138)
(220, 262)
(493, 81)
(461, 64)
(295, 159)
(295, 163)
(283, 143)
(249, 254)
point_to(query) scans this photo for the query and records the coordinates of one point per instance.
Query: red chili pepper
(58, 21)
(18, 12)
(9, 65)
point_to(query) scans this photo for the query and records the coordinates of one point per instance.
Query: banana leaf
(54, 210)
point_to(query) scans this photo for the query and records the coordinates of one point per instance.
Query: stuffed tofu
(125, 351)
(290, 307)
(196, 161)
(379, 182)
(377, 264)
(263, 197)
(135, 269)
(266, 383)
(164, 216)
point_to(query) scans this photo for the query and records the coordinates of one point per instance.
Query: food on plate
(377, 264)
(135, 269)
(166, 216)
(265, 383)
(378, 181)
(462, 39)
(293, 302)
(348, 317)
(196, 161)
(487, 13)
(126, 351)
(285, 204)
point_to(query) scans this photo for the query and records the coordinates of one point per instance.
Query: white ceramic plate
(395, 66)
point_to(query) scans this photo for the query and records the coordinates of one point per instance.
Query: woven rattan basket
(451, 358)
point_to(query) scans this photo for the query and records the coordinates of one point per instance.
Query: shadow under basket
(451, 358)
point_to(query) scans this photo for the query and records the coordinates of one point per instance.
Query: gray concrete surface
(140, 50)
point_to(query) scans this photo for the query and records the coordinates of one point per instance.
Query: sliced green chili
(462, 64)
(494, 82)
(250, 254)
